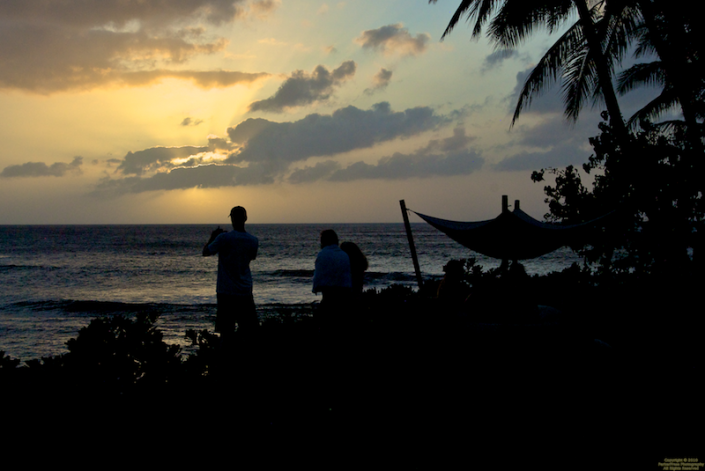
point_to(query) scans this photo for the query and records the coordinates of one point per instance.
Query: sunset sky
(158, 111)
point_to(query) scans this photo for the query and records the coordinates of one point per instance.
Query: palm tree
(570, 58)
(665, 31)
(665, 186)
(580, 52)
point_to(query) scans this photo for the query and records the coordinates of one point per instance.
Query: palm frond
(663, 103)
(547, 70)
(671, 126)
(517, 19)
(642, 74)
(619, 28)
(645, 46)
(480, 10)
(579, 81)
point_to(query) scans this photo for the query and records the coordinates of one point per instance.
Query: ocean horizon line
(206, 224)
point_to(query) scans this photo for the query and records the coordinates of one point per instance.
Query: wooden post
(505, 209)
(409, 236)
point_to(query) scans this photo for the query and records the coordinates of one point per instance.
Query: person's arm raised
(214, 234)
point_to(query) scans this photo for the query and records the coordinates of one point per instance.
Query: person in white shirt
(235, 250)
(332, 278)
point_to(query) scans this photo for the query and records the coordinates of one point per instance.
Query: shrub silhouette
(8, 362)
(119, 356)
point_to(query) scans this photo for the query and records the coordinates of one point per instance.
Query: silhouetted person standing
(358, 266)
(453, 291)
(332, 278)
(235, 250)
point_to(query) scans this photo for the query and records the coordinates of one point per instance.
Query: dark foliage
(403, 365)
(655, 190)
(120, 356)
(7, 361)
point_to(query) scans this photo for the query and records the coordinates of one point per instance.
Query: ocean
(55, 279)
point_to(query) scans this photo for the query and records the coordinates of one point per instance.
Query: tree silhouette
(673, 35)
(584, 56)
(579, 53)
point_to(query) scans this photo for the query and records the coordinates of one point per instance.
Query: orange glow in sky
(301, 111)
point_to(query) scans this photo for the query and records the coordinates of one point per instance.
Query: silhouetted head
(329, 237)
(357, 258)
(454, 269)
(238, 216)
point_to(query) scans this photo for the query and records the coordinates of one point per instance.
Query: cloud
(136, 163)
(262, 8)
(303, 89)
(497, 58)
(402, 166)
(558, 157)
(216, 143)
(440, 157)
(318, 135)
(380, 81)
(202, 79)
(550, 100)
(202, 176)
(88, 13)
(454, 143)
(317, 172)
(60, 45)
(191, 122)
(262, 152)
(40, 169)
(554, 130)
(553, 142)
(248, 129)
(394, 39)
(547, 102)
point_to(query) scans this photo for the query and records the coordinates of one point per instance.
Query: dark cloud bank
(318, 135)
(136, 163)
(265, 152)
(56, 45)
(259, 152)
(445, 157)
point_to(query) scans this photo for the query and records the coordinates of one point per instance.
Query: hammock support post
(412, 247)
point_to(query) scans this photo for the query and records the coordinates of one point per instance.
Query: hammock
(512, 235)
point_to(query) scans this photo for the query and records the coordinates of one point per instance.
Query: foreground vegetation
(593, 317)
(619, 356)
